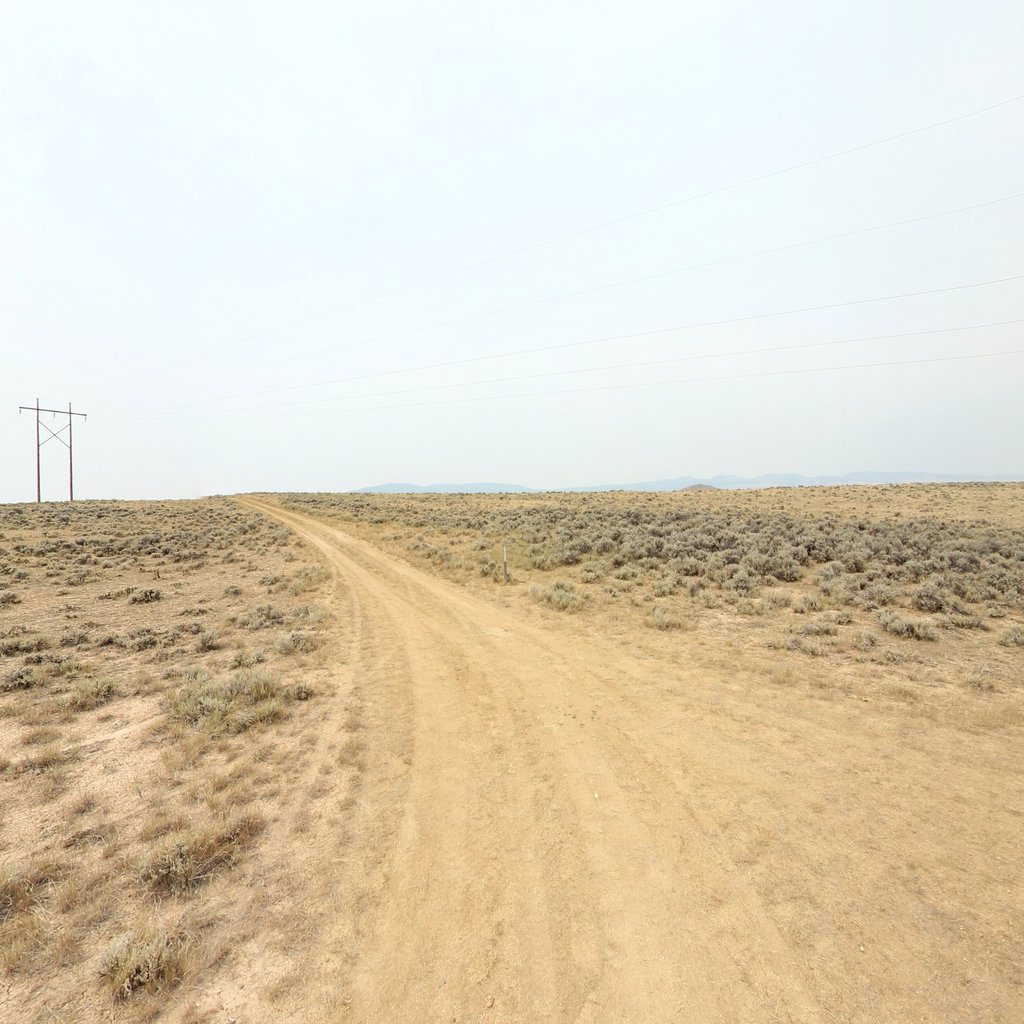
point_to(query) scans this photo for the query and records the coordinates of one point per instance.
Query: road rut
(574, 831)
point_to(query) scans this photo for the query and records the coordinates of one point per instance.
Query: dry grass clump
(250, 697)
(91, 693)
(665, 619)
(188, 861)
(22, 888)
(150, 958)
(261, 617)
(297, 641)
(561, 595)
(1013, 637)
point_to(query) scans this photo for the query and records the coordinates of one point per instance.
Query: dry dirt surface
(163, 668)
(420, 798)
(562, 822)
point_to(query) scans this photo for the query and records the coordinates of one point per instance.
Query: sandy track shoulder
(571, 833)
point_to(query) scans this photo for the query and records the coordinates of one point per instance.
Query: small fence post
(504, 557)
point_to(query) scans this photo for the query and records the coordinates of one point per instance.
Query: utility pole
(53, 434)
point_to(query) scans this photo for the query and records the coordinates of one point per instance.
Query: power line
(724, 261)
(782, 373)
(633, 386)
(535, 350)
(553, 240)
(693, 357)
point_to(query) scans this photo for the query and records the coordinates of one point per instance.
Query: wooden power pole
(53, 434)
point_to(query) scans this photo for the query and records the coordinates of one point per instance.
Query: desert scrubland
(926, 580)
(159, 667)
(704, 756)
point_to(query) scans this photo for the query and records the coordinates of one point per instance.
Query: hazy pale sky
(315, 246)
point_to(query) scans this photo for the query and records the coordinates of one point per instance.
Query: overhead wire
(646, 363)
(608, 286)
(625, 386)
(642, 364)
(561, 346)
(649, 211)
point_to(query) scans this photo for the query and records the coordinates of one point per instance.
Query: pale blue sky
(216, 221)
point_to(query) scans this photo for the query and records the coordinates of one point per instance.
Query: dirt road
(558, 825)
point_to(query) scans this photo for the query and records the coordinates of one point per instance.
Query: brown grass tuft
(190, 860)
(151, 958)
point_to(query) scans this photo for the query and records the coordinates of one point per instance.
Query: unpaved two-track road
(556, 826)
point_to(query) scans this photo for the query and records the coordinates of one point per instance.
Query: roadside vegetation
(157, 663)
(917, 585)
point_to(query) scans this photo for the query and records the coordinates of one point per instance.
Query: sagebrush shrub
(561, 595)
(900, 626)
(1013, 637)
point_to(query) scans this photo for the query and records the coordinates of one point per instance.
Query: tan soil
(540, 819)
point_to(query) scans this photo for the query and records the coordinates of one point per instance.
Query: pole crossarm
(56, 412)
(54, 434)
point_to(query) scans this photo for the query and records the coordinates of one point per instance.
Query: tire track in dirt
(546, 862)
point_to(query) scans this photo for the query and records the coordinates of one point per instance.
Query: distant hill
(477, 488)
(690, 483)
(729, 483)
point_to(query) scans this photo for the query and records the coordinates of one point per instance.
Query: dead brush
(150, 958)
(189, 860)
(665, 618)
(23, 888)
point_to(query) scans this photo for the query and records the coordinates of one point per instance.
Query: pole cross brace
(53, 434)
